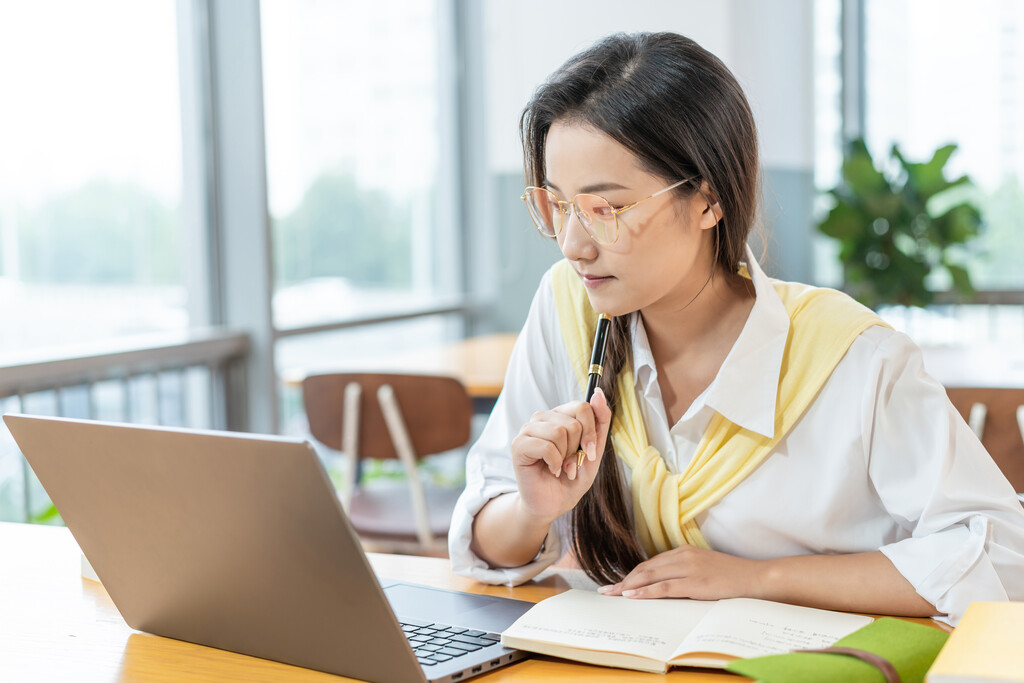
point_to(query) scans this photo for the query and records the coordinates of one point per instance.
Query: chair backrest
(997, 419)
(437, 411)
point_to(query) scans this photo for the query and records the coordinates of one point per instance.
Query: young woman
(750, 437)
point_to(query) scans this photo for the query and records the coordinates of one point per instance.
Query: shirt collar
(746, 387)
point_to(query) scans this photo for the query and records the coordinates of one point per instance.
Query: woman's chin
(609, 305)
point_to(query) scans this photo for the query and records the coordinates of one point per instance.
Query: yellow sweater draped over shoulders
(823, 325)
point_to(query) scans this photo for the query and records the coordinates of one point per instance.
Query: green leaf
(959, 224)
(859, 171)
(961, 279)
(843, 222)
(48, 516)
(927, 179)
(941, 156)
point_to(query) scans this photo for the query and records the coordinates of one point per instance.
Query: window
(360, 182)
(356, 179)
(938, 71)
(90, 172)
(90, 195)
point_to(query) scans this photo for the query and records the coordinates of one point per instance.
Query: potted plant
(895, 229)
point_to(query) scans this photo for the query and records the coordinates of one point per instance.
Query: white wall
(767, 45)
(529, 39)
(773, 59)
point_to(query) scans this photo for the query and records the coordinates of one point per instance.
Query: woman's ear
(711, 214)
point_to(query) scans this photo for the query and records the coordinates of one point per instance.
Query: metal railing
(193, 379)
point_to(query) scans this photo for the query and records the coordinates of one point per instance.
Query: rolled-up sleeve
(962, 523)
(538, 378)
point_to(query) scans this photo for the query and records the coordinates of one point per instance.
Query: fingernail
(572, 472)
(605, 589)
(632, 592)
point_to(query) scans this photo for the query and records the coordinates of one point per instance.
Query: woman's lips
(591, 281)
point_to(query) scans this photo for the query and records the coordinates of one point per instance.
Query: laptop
(239, 542)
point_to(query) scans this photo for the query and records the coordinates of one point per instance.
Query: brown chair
(386, 416)
(997, 417)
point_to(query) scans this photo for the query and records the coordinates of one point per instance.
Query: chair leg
(1020, 421)
(976, 419)
(350, 439)
(403, 446)
(1020, 426)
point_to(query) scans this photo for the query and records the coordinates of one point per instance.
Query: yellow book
(987, 646)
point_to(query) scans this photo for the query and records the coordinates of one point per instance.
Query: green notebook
(910, 648)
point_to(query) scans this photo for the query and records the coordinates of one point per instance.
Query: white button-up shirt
(880, 461)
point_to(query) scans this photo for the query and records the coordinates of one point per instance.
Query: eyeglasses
(598, 217)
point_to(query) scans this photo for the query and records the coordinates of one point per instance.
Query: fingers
(647, 583)
(669, 588)
(640, 581)
(591, 434)
(536, 449)
(551, 436)
(602, 420)
(689, 572)
(554, 436)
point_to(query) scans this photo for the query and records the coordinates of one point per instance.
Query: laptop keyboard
(437, 643)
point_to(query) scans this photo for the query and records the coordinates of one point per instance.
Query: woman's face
(664, 251)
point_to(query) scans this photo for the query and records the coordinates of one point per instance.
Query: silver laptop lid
(228, 540)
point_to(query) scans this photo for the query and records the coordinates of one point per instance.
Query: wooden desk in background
(478, 362)
(57, 626)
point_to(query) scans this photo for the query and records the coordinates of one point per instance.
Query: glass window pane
(352, 101)
(937, 73)
(90, 172)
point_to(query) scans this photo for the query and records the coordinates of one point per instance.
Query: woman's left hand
(689, 572)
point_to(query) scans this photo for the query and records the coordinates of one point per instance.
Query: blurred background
(202, 201)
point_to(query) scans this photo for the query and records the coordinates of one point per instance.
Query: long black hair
(681, 112)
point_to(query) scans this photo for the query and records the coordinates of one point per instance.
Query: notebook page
(743, 627)
(588, 620)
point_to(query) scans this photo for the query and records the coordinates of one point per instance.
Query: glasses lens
(597, 217)
(543, 208)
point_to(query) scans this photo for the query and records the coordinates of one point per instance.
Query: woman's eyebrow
(596, 187)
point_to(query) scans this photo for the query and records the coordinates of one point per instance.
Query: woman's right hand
(544, 456)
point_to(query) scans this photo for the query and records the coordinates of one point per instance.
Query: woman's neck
(689, 345)
(719, 302)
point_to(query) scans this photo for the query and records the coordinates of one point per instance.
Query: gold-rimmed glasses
(599, 218)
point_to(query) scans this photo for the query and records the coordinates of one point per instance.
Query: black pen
(596, 367)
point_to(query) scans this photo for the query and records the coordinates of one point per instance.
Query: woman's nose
(574, 240)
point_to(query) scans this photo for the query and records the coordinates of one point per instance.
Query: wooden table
(57, 626)
(478, 362)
